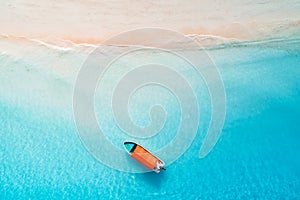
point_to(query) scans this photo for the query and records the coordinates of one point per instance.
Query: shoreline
(204, 41)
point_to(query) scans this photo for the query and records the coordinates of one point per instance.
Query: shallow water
(42, 156)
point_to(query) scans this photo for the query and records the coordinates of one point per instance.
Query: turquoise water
(256, 157)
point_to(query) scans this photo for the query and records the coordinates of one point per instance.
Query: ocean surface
(257, 156)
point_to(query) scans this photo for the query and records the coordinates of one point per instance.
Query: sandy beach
(95, 21)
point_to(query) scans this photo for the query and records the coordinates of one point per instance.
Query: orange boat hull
(144, 157)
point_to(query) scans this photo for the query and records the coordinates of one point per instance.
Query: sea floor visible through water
(42, 156)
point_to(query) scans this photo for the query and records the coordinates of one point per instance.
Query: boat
(144, 157)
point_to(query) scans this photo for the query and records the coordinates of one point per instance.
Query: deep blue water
(257, 156)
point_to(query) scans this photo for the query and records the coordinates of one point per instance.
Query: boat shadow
(150, 178)
(153, 179)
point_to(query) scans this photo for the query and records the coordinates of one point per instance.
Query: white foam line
(52, 46)
(212, 36)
